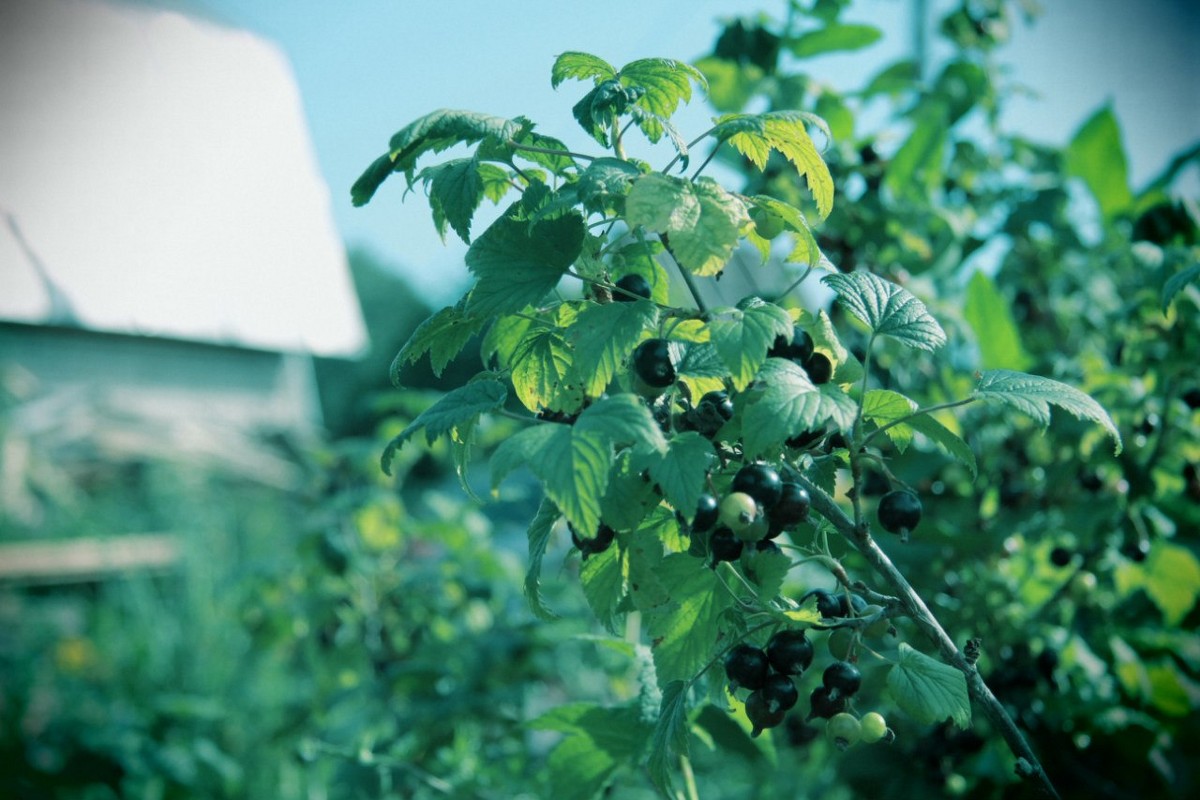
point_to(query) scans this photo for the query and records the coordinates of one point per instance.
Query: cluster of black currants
(591, 545)
(768, 674)
(758, 508)
(801, 351)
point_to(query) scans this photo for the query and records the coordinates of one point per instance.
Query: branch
(861, 538)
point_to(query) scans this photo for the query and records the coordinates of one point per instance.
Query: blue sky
(367, 68)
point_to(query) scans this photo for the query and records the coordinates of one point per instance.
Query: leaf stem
(690, 145)
(687, 277)
(916, 608)
(803, 277)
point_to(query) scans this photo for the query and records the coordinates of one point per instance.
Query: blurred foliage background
(336, 634)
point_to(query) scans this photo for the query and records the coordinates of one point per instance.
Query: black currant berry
(634, 284)
(824, 704)
(819, 368)
(829, 605)
(652, 363)
(1060, 556)
(1192, 398)
(746, 665)
(706, 513)
(724, 545)
(590, 545)
(790, 652)
(761, 482)
(719, 401)
(767, 545)
(792, 507)
(799, 349)
(761, 713)
(842, 679)
(779, 692)
(899, 512)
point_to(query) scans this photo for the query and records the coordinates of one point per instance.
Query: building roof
(157, 177)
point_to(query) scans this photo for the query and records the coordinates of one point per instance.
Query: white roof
(157, 172)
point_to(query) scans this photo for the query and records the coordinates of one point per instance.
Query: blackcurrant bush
(779, 692)
(761, 714)
(792, 506)
(634, 284)
(761, 482)
(652, 363)
(824, 704)
(746, 665)
(790, 652)
(724, 545)
(1060, 556)
(842, 679)
(819, 368)
(845, 730)
(706, 513)
(899, 512)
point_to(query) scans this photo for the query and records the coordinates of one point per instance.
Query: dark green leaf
(1176, 283)
(443, 336)
(1097, 155)
(364, 188)
(1033, 395)
(442, 129)
(788, 404)
(928, 690)
(669, 741)
(580, 66)
(837, 37)
(887, 309)
(743, 335)
(539, 537)
(605, 182)
(681, 470)
(603, 336)
(457, 407)
(602, 580)
(685, 631)
(995, 330)
(598, 743)
(518, 264)
(916, 169)
(622, 419)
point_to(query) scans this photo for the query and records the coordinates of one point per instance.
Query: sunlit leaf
(887, 309)
(928, 690)
(1033, 395)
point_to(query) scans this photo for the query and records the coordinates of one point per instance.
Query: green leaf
(995, 330)
(783, 131)
(372, 178)
(540, 364)
(928, 690)
(458, 407)
(539, 537)
(834, 38)
(887, 309)
(669, 742)
(790, 404)
(601, 576)
(599, 741)
(517, 264)
(950, 443)
(580, 66)
(1033, 395)
(1172, 580)
(705, 247)
(806, 250)
(572, 465)
(894, 79)
(685, 631)
(1097, 156)
(665, 83)
(847, 368)
(621, 419)
(767, 569)
(605, 183)
(916, 169)
(883, 406)
(456, 189)
(662, 203)
(743, 335)
(1176, 283)
(442, 335)
(629, 496)
(603, 336)
(786, 133)
(682, 469)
